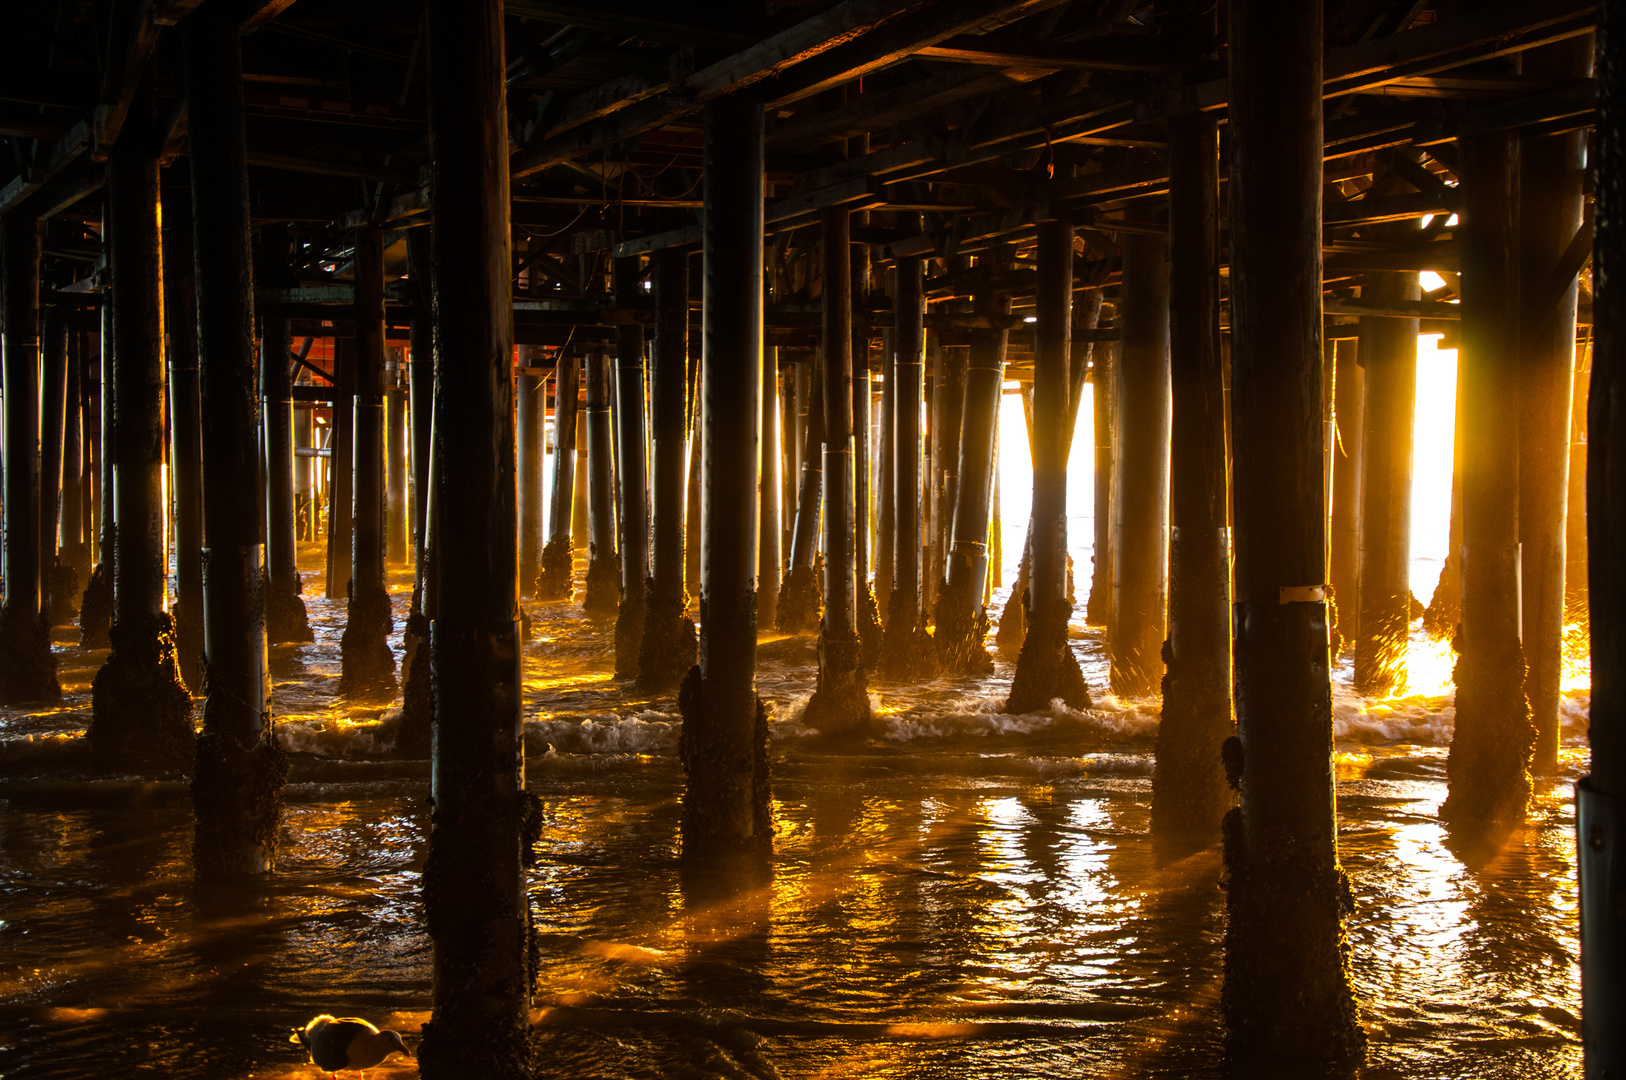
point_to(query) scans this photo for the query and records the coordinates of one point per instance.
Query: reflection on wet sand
(965, 894)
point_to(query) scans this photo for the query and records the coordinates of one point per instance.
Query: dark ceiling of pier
(957, 123)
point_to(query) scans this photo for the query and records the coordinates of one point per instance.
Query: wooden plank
(1413, 309)
(317, 167)
(1575, 101)
(126, 67)
(687, 236)
(662, 22)
(62, 154)
(1392, 208)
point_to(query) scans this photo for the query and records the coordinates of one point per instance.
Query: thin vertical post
(53, 396)
(285, 616)
(768, 496)
(474, 879)
(1140, 503)
(185, 435)
(907, 652)
(840, 700)
(75, 550)
(603, 586)
(558, 563)
(668, 649)
(1046, 668)
(530, 408)
(341, 470)
(27, 666)
(1287, 999)
(1349, 397)
(1103, 387)
(1383, 602)
(367, 666)
(632, 517)
(801, 598)
(395, 460)
(96, 608)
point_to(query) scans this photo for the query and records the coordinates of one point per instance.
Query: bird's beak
(294, 1038)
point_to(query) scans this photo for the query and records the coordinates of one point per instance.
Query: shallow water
(968, 894)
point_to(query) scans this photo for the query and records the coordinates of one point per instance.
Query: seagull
(336, 1044)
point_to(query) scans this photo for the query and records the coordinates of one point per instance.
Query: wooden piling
(907, 651)
(801, 598)
(96, 607)
(413, 738)
(75, 557)
(1349, 397)
(141, 712)
(961, 619)
(554, 581)
(54, 601)
(241, 768)
(341, 470)
(603, 587)
(1046, 669)
(668, 649)
(530, 408)
(1140, 504)
(1287, 1000)
(367, 670)
(768, 494)
(840, 700)
(1103, 380)
(724, 745)
(474, 878)
(1601, 795)
(27, 666)
(1189, 793)
(1388, 348)
(184, 408)
(286, 619)
(1550, 174)
(1489, 766)
(396, 528)
(632, 488)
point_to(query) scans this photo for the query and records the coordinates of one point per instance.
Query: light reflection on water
(967, 894)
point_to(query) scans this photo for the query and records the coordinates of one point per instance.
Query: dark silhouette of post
(768, 494)
(1286, 1000)
(668, 648)
(75, 557)
(341, 470)
(603, 585)
(396, 527)
(1601, 796)
(474, 878)
(530, 406)
(241, 768)
(554, 580)
(96, 607)
(724, 746)
(1349, 397)
(1103, 377)
(185, 435)
(413, 738)
(840, 700)
(141, 712)
(907, 652)
(53, 398)
(1489, 766)
(1046, 668)
(1551, 170)
(1140, 495)
(1189, 793)
(285, 616)
(367, 666)
(801, 598)
(632, 517)
(961, 619)
(1388, 349)
(27, 666)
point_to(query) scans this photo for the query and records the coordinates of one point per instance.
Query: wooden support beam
(1100, 54)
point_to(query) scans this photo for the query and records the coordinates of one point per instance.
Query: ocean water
(965, 894)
